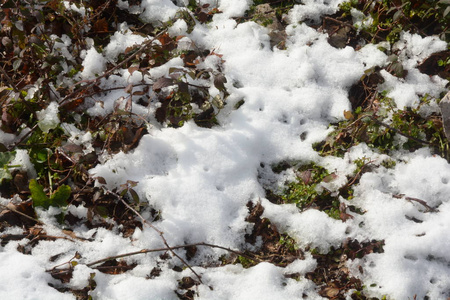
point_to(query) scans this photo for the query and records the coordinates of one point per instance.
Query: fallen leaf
(162, 82)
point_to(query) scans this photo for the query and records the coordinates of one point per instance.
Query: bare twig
(143, 251)
(22, 138)
(359, 173)
(54, 270)
(420, 201)
(9, 79)
(110, 71)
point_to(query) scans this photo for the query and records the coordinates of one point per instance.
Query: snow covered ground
(202, 179)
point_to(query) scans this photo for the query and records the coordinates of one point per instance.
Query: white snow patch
(93, 64)
(48, 117)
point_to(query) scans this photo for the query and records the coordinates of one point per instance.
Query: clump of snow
(79, 9)
(48, 117)
(360, 20)
(6, 138)
(407, 92)
(414, 48)
(312, 10)
(93, 64)
(158, 11)
(78, 137)
(120, 41)
(311, 228)
(22, 159)
(372, 56)
(234, 8)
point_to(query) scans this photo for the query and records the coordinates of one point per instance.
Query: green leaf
(134, 195)
(37, 194)
(102, 211)
(42, 155)
(60, 196)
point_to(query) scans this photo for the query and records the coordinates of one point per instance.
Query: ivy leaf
(183, 87)
(37, 194)
(60, 196)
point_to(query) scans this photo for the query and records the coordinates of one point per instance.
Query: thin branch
(420, 201)
(359, 173)
(9, 79)
(21, 213)
(143, 251)
(399, 132)
(161, 234)
(22, 138)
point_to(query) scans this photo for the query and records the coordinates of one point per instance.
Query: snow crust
(201, 179)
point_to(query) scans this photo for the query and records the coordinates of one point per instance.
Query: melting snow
(201, 179)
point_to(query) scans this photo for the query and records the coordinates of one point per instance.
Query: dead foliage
(332, 275)
(276, 248)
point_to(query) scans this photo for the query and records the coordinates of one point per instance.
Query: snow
(22, 162)
(417, 248)
(200, 180)
(313, 9)
(93, 65)
(24, 277)
(157, 11)
(48, 117)
(260, 282)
